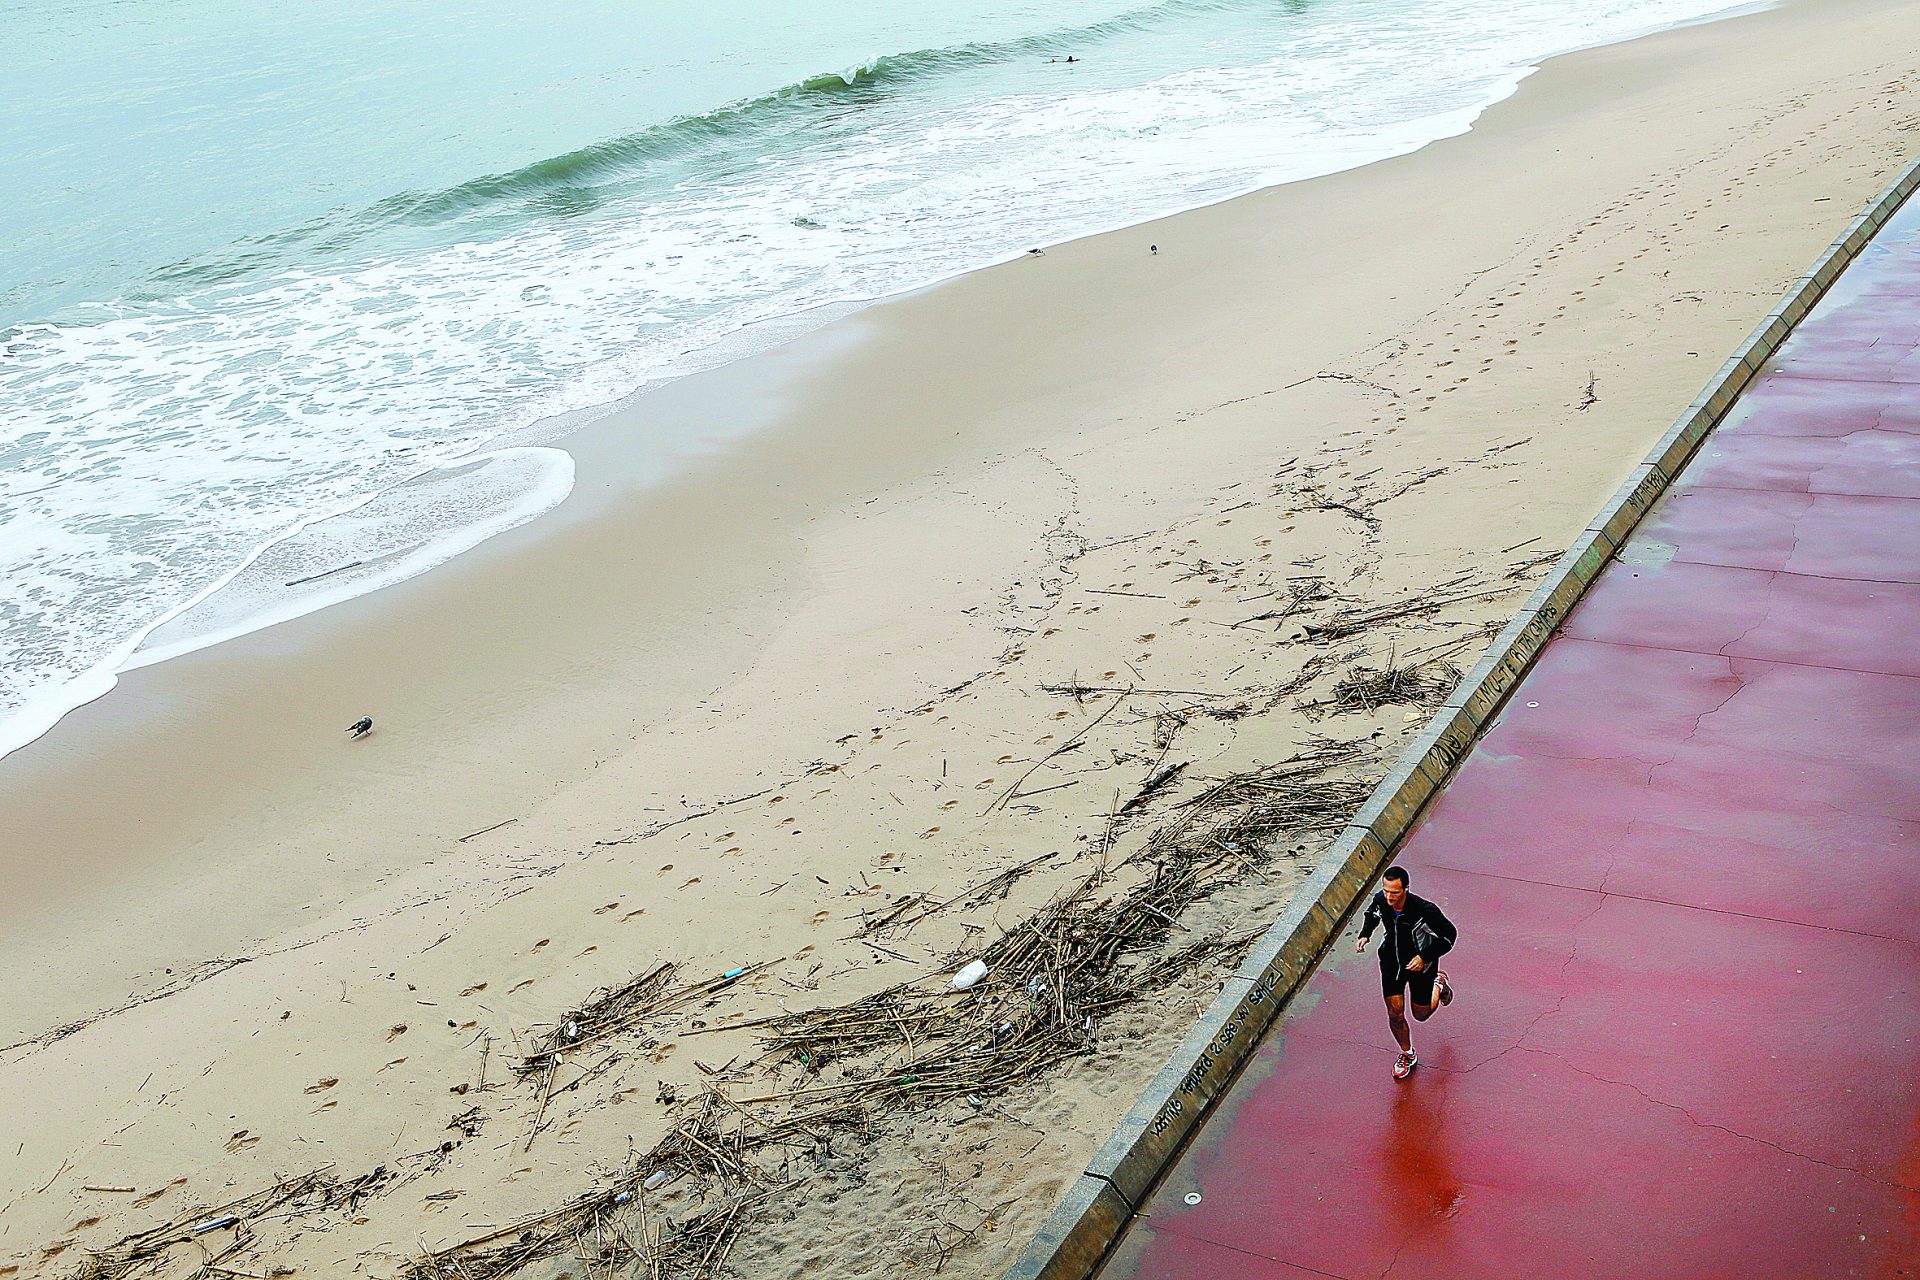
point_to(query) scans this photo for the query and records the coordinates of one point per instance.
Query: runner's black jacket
(1398, 941)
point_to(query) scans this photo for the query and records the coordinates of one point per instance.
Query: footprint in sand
(664, 869)
(328, 1105)
(638, 911)
(689, 884)
(525, 982)
(475, 989)
(241, 1141)
(611, 906)
(396, 1062)
(1145, 638)
(543, 942)
(84, 1223)
(590, 950)
(776, 800)
(785, 822)
(820, 917)
(1061, 715)
(397, 1030)
(322, 1085)
(929, 833)
(151, 1196)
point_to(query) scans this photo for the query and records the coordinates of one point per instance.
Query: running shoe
(1404, 1068)
(1446, 989)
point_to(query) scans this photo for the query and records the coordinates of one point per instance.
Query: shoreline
(99, 681)
(1059, 469)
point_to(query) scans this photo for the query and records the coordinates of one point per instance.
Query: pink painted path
(1685, 863)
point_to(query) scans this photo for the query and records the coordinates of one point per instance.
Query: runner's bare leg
(1397, 1020)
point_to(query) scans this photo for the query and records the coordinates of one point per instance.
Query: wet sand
(1095, 465)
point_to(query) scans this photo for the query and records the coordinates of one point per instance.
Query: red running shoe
(1404, 1068)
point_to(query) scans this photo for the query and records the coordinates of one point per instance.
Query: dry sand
(724, 714)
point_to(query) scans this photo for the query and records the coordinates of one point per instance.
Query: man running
(1418, 934)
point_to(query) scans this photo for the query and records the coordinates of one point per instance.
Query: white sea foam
(163, 465)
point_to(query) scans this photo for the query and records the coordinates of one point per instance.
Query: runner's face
(1396, 891)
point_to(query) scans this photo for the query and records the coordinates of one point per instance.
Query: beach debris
(317, 1191)
(1104, 942)
(1589, 397)
(996, 886)
(615, 1010)
(1158, 781)
(176, 984)
(504, 822)
(325, 573)
(970, 975)
(1424, 684)
(1351, 622)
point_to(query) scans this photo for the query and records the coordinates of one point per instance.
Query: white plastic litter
(970, 975)
(655, 1180)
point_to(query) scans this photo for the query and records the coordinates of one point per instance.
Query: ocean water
(291, 296)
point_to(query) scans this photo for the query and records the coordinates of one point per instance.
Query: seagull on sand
(362, 727)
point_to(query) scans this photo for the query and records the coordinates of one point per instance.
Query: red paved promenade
(1685, 863)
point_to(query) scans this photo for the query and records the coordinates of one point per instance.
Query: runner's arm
(1368, 921)
(1443, 928)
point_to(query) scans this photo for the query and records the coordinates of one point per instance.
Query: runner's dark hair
(1397, 873)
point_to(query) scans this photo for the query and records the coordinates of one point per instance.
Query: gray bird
(362, 727)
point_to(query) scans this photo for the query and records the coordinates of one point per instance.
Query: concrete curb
(1075, 1238)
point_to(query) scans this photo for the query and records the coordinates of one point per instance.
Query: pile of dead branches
(610, 1232)
(605, 1013)
(1314, 792)
(1350, 622)
(1367, 689)
(223, 1233)
(1104, 943)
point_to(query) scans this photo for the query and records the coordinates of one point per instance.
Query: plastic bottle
(970, 975)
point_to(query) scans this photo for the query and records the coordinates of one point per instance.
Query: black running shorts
(1419, 985)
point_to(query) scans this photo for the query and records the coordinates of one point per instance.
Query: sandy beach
(944, 611)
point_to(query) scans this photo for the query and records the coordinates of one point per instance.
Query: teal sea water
(291, 296)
